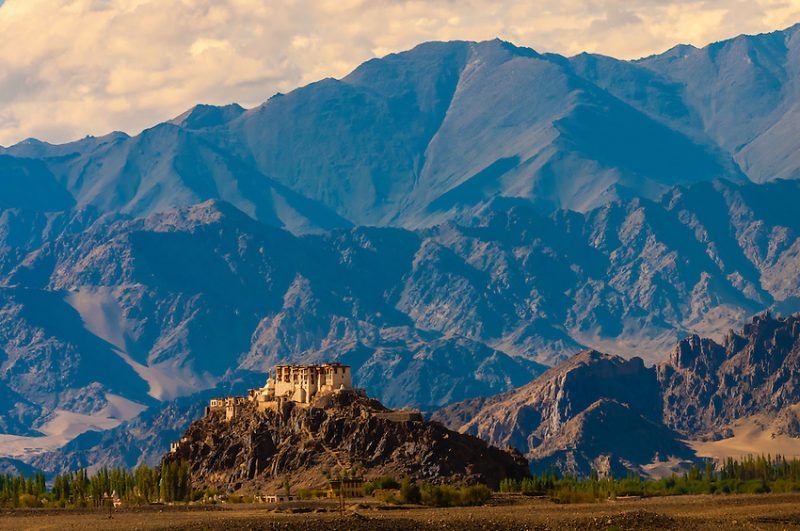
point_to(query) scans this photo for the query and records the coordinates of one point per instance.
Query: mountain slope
(28, 184)
(435, 133)
(180, 299)
(545, 134)
(609, 436)
(593, 411)
(707, 385)
(745, 91)
(469, 151)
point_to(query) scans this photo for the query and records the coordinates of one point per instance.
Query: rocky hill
(596, 411)
(592, 411)
(335, 434)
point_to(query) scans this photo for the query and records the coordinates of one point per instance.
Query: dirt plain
(763, 512)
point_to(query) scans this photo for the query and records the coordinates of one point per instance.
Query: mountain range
(420, 137)
(450, 221)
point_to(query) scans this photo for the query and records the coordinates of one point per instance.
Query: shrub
(307, 494)
(475, 495)
(29, 501)
(447, 496)
(385, 482)
(529, 487)
(388, 496)
(440, 496)
(410, 492)
(381, 483)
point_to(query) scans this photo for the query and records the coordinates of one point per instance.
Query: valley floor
(764, 512)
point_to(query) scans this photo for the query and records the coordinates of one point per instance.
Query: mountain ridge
(187, 298)
(409, 140)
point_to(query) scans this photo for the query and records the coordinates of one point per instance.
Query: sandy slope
(751, 436)
(63, 426)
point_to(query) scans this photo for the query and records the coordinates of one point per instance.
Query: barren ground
(772, 511)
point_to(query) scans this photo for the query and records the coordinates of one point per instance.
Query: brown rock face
(574, 415)
(609, 436)
(257, 449)
(706, 386)
(558, 395)
(601, 412)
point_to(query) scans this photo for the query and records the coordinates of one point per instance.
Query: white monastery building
(301, 383)
(296, 383)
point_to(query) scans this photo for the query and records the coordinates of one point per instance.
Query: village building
(351, 487)
(275, 498)
(215, 404)
(173, 446)
(233, 405)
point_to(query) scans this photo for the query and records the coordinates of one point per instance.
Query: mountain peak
(210, 212)
(497, 45)
(202, 116)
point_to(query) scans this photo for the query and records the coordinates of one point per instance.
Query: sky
(72, 68)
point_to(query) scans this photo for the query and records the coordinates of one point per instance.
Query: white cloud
(75, 67)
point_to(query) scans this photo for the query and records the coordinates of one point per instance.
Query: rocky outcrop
(572, 414)
(601, 412)
(707, 385)
(610, 437)
(340, 432)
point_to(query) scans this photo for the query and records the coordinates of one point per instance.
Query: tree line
(751, 474)
(172, 483)
(142, 485)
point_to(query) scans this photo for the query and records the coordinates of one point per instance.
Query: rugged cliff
(337, 433)
(602, 412)
(707, 385)
(593, 411)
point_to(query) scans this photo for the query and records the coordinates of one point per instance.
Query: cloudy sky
(72, 68)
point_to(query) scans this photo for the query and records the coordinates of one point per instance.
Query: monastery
(301, 383)
(297, 383)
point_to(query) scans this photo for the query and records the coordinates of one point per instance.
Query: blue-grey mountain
(420, 137)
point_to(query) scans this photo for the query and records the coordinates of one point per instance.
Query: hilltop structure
(300, 384)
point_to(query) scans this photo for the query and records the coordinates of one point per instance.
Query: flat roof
(312, 365)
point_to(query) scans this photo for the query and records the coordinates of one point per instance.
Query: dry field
(768, 512)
